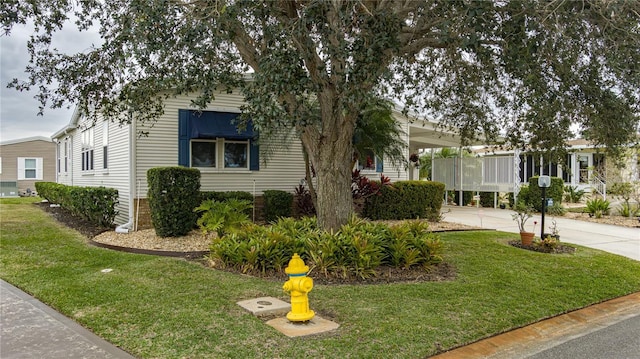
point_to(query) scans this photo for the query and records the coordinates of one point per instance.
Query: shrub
(467, 196)
(277, 204)
(358, 249)
(555, 191)
(556, 210)
(227, 195)
(173, 194)
(486, 199)
(523, 197)
(263, 248)
(548, 244)
(406, 200)
(629, 210)
(597, 207)
(94, 204)
(573, 194)
(303, 202)
(223, 217)
(223, 196)
(362, 188)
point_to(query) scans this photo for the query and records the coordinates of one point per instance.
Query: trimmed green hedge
(487, 199)
(555, 191)
(406, 200)
(174, 193)
(277, 204)
(94, 204)
(223, 196)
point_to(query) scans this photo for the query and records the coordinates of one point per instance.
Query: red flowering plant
(362, 188)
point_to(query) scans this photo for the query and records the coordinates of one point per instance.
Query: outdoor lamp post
(543, 182)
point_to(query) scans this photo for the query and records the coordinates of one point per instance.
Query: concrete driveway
(624, 241)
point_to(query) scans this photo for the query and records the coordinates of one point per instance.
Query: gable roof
(72, 125)
(26, 139)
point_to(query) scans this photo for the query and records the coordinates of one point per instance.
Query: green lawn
(157, 307)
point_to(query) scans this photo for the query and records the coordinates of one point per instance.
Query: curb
(185, 255)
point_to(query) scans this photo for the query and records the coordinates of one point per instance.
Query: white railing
(598, 185)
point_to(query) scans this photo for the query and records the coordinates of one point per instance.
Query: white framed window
(105, 145)
(236, 154)
(59, 157)
(367, 162)
(0, 165)
(29, 168)
(87, 149)
(203, 153)
(67, 151)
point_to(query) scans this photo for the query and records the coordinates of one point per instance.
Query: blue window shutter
(254, 156)
(379, 164)
(183, 138)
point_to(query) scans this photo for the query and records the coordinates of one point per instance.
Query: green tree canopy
(525, 69)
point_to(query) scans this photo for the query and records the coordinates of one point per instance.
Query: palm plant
(223, 217)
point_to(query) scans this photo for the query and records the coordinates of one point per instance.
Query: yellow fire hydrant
(298, 285)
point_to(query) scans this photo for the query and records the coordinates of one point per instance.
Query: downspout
(127, 227)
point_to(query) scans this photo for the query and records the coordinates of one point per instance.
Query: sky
(19, 110)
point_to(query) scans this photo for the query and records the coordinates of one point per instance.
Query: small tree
(173, 194)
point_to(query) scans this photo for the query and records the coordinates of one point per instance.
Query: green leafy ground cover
(158, 307)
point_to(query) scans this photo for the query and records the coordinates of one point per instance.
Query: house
(105, 153)
(586, 166)
(23, 162)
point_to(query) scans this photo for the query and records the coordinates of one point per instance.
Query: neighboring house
(585, 167)
(113, 155)
(24, 162)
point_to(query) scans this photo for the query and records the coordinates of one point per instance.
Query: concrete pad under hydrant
(316, 325)
(265, 306)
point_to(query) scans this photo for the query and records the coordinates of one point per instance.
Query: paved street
(617, 341)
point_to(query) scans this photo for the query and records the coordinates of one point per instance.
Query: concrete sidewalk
(624, 241)
(31, 329)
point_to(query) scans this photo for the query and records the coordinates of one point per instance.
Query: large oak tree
(524, 69)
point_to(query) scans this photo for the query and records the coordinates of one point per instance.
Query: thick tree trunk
(334, 185)
(331, 152)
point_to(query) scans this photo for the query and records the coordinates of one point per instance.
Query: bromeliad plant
(357, 249)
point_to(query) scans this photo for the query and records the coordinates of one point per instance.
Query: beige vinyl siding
(44, 151)
(283, 171)
(115, 176)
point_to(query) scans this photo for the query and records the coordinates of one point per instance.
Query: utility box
(9, 189)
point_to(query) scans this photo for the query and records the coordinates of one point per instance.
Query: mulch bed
(86, 228)
(440, 272)
(560, 249)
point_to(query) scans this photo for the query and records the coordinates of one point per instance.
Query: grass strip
(157, 307)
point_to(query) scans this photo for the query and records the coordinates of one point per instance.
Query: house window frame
(22, 169)
(214, 165)
(223, 144)
(105, 146)
(67, 151)
(368, 168)
(88, 150)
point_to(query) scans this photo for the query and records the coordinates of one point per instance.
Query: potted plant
(503, 200)
(522, 214)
